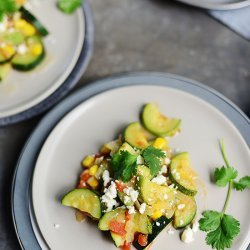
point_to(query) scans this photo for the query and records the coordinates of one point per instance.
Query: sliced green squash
(157, 123)
(185, 210)
(135, 136)
(144, 171)
(126, 147)
(159, 198)
(182, 174)
(4, 71)
(85, 200)
(29, 60)
(138, 223)
(157, 228)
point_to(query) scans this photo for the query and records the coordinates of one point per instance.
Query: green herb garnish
(124, 165)
(7, 7)
(69, 6)
(222, 228)
(152, 157)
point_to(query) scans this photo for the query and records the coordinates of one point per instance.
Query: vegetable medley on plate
(137, 185)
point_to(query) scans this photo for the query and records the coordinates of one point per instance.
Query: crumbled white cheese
(158, 223)
(139, 160)
(167, 161)
(3, 26)
(133, 194)
(56, 226)
(171, 231)
(127, 199)
(181, 206)
(187, 235)
(142, 208)
(109, 196)
(164, 169)
(195, 226)
(131, 209)
(171, 186)
(173, 171)
(181, 222)
(105, 177)
(159, 179)
(165, 196)
(22, 49)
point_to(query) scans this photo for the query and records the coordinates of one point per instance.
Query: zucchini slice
(138, 223)
(4, 70)
(85, 200)
(34, 21)
(157, 123)
(15, 38)
(182, 174)
(144, 171)
(157, 227)
(135, 135)
(186, 210)
(32, 57)
(159, 198)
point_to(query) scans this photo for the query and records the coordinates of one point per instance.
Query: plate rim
(70, 81)
(42, 130)
(217, 6)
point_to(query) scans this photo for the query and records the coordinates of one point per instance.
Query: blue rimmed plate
(90, 97)
(24, 95)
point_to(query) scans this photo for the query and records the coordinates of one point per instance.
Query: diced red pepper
(126, 246)
(117, 227)
(127, 216)
(85, 175)
(143, 239)
(120, 186)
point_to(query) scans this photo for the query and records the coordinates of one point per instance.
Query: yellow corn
(93, 170)
(28, 30)
(160, 143)
(7, 50)
(88, 161)
(37, 49)
(93, 182)
(156, 215)
(19, 23)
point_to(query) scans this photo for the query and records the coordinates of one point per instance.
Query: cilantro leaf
(124, 165)
(211, 220)
(7, 7)
(69, 6)
(221, 228)
(224, 175)
(152, 157)
(243, 183)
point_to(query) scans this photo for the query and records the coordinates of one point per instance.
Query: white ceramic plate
(21, 91)
(218, 4)
(99, 120)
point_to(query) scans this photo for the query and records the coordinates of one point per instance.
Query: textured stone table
(141, 35)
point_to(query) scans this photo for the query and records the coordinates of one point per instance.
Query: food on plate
(21, 43)
(136, 185)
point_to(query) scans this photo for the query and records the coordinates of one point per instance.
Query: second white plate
(99, 120)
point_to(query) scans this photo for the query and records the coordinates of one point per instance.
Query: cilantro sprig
(7, 7)
(69, 6)
(152, 157)
(222, 228)
(124, 165)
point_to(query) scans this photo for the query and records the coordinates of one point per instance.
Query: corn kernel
(36, 49)
(19, 23)
(92, 181)
(88, 161)
(93, 170)
(28, 30)
(7, 50)
(160, 143)
(156, 215)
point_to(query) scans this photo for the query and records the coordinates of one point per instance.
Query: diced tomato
(85, 175)
(117, 227)
(120, 186)
(143, 239)
(82, 184)
(126, 246)
(127, 216)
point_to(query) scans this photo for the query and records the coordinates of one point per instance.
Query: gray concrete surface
(139, 35)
